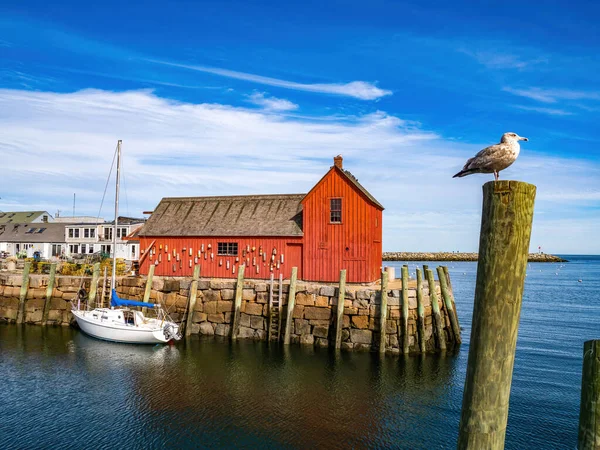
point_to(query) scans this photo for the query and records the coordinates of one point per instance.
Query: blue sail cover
(116, 301)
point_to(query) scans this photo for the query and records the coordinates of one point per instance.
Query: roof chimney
(337, 161)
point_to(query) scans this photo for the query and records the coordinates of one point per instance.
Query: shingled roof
(32, 232)
(21, 216)
(241, 215)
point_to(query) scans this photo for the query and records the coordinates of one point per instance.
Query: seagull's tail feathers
(466, 170)
(464, 173)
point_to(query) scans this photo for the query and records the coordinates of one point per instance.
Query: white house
(89, 238)
(28, 238)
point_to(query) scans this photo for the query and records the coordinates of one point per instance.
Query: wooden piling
(383, 311)
(148, 289)
(503, 246)
(446, 296)
(94, 285)
(589, 412)
(192, 301)
(239, 288)
(420, 312)
(49, 290)
(23, 292)
(340, 309)
(404, 322)
(435, 310)
(290, 306)
(451, 294)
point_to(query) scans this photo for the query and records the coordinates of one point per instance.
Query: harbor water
(63, 389)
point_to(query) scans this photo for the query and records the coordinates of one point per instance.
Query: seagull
(494, 158)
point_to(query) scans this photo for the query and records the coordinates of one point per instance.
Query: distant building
(88, 238)
(27, 238)
(337, 225)
(23, 217)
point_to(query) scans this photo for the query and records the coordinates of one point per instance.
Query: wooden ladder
(275, 303)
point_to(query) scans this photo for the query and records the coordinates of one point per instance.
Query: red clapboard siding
(354, 245)
(216, 266)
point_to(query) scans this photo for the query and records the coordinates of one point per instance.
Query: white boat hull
(150, 333)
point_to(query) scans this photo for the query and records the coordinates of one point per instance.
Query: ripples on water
(64, 389)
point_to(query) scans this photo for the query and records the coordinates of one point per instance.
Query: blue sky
(257, 97)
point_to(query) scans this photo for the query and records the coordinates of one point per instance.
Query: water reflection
(207, 393)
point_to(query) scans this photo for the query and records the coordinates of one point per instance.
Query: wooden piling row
(192, 301)
(446, 296)
(49, 290)
(239, 288)
(420, 312)
(290, 306)
(340, 309)
(94, 285)
(435, 311)
(23, 292)
(404, 322)
(383, 311)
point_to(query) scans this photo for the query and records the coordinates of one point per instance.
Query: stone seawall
(313, 315)
(448, 256)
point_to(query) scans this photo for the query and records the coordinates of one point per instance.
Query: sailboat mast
(113, 281)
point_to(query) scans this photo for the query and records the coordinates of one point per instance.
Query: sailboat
(120, 323)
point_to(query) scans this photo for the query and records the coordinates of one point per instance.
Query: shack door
(293, 258)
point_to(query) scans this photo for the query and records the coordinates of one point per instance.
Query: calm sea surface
(62, 389)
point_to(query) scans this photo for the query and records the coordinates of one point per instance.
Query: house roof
(359, 186)
(20, 216)
(353, 181)
(241, 215)
(32, 232)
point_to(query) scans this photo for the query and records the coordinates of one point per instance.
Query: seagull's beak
(523, 138)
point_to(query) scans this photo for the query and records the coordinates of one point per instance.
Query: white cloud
(553, 95)
(502, 60)
(550, 111)
(54, 144)
(357, 89)
(271, 103)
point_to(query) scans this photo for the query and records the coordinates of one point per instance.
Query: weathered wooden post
(435, 310)
(23, 292)
(405, 309)
(148, 289)
(420, 312)
(239, 290)
(383, 311)
(589, 412)
(94, 285)
(49, 289)
(447, 297)
(503, 245)
(290, 306)
(339, 321)
(193, 294)
(451, 292)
